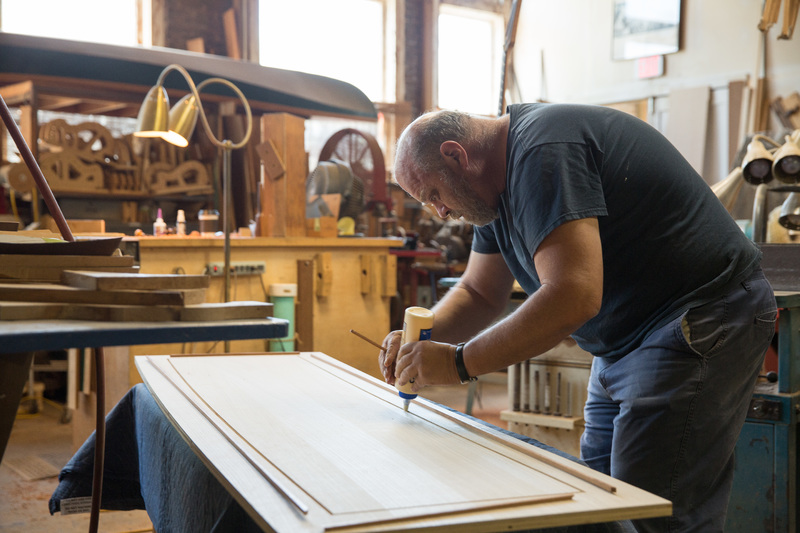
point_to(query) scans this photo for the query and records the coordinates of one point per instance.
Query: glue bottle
(417, 326)
(180, 223)
(159, 226)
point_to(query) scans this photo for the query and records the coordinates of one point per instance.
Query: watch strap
(463, 375)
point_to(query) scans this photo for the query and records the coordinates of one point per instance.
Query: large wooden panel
(306, 443)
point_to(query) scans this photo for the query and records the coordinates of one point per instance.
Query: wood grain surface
(133, 313)
(103, 281)
(46, 292)
(339, 443)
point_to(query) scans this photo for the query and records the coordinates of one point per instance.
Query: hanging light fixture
(789, 216)
(786, 166)
(757, 162)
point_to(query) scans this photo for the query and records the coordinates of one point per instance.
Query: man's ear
(454, 154)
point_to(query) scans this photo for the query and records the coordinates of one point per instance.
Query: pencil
(372, 342)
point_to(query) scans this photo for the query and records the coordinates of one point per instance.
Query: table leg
(14, 368)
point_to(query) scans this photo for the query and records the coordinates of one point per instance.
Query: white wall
(720, 43)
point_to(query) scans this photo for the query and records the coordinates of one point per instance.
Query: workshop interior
(203, 247)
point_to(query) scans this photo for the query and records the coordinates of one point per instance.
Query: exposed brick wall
(413, 52)
(188, 19)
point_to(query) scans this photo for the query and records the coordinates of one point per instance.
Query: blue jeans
(666, 416)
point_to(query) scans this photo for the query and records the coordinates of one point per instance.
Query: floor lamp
(176, 126)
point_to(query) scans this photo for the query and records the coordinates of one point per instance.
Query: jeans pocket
(704, 327)
(766, 322)
(767, 319)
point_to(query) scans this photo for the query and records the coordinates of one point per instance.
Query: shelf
(539, 419)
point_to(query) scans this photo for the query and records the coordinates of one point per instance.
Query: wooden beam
(430, 66)
(17, 93)
(283, 201)
(304, 311)
(231, 34)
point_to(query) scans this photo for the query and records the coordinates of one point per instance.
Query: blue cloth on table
(149, 466)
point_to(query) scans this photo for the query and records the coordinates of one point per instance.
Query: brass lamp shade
(182, 120)
(790, 213)
(787, 163)
(153, 115)
(757, 163)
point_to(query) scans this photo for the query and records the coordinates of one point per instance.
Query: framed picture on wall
(644, 28)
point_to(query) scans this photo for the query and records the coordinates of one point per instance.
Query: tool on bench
(547, 393)
(525, 389)
(372, 342)
(558, 395)
(568, 412)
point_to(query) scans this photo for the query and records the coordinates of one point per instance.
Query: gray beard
(473, 209)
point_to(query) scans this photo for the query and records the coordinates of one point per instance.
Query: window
(99, 21)
(345, 40)
(470, 47)
(348, 40)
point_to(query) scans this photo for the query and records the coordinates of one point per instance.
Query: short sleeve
(484, 240)
(552, 184)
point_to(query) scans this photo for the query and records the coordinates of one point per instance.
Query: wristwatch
(463, 375)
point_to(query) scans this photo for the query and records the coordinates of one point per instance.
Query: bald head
(418, 146)
(448, 159)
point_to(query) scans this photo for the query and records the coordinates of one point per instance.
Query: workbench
(342, 283)
(174, 463)
(20, 339)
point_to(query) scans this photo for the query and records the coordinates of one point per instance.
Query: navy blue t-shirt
(668, 243)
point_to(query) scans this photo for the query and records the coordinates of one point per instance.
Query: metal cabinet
(765, 483)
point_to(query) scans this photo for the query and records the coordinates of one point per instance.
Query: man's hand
(387, 357)
(426, 363)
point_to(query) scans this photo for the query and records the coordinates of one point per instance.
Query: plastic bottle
(180, 223)
(159, 226)
(417, 326)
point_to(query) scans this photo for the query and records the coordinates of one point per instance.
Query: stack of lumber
(49, 268)
(121, 296)
(38, 281)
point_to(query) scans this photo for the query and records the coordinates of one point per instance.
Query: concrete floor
(24, 504)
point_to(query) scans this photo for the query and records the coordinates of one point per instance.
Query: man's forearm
(461, 314)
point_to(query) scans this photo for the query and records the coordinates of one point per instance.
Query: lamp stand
(226, 231)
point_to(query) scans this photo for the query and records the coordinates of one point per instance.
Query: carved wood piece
(90, 141)
(188, 177)
(66, 172)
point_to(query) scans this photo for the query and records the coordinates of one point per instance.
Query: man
(620, 244)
